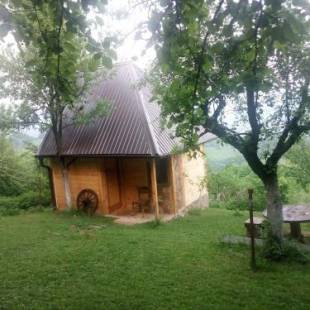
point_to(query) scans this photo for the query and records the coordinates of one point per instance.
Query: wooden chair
(144, 200)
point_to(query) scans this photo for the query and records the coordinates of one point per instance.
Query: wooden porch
(141, 187)
(125, 186)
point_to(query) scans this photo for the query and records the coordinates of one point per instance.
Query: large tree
(240, 70)
(50, 69)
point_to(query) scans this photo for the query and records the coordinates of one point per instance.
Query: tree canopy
(57, 57)
(237, 69)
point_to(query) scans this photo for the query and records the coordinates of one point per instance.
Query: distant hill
(221, 154)
(21, 140)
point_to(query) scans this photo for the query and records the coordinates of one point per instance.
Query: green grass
(62, 261)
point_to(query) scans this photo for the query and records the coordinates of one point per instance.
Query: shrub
(275, 250)
(32, 199)
(228, 188)
(11, 205)
(285, 251)
(9, 211)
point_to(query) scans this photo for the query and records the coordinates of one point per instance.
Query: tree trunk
(274, 206)
(67, 191)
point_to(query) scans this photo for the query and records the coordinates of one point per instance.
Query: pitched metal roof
(131, 128)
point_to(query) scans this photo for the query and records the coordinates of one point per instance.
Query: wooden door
(113, 185)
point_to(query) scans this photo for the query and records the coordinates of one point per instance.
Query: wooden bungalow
(126, 159)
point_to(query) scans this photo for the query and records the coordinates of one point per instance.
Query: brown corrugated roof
(131, 128)
(126, 130)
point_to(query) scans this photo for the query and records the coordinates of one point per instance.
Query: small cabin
(126, 159)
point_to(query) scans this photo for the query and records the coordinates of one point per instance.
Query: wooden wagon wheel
(87, 201)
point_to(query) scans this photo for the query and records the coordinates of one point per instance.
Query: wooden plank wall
(178, 179)
(110, 169)
(189, 172)
(134, 172)
(114, 181)
(83, 174)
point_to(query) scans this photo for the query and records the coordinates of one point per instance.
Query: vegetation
(49, 72)
(297, 164)
(23, 184)
(219, 155)
(228, 185)
(61, 261)
(240, 70)
(228, 188)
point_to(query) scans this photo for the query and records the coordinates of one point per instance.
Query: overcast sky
(131, 48)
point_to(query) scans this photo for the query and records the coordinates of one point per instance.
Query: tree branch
(252, 115)
(251, 92)
(219, 108)
(292, 128)
(203, 50)
(225, 133)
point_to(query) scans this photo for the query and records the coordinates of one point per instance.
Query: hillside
(219, 155)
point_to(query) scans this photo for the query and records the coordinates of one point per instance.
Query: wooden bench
(258, 225)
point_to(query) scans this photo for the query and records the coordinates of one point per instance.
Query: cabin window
(162, 171)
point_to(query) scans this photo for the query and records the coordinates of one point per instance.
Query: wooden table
(294, 215)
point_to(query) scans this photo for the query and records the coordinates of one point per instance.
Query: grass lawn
(61, 261)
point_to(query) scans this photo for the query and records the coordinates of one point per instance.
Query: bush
(228, 188)
(275, 250)
(25, 201)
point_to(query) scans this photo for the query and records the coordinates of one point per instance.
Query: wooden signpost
(253, 259)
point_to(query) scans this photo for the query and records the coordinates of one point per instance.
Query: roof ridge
(145, 112)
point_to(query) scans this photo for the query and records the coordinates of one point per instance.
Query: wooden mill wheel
(87, 201)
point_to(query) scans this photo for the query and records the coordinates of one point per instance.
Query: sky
(124, 19)
(127, 26)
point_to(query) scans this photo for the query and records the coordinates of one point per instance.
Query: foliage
(50, 75)
(23, 184)
(176, 265)
(12, 205)
(297, 165)
(215, 54)
(276, 251)
(55, 62)
(6, 118)
(219, 155)
(229, 180)
(237, 69)
(19, 170)
(228, 188)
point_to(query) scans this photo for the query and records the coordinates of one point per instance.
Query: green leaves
(100, 109)
(297, 164)
(56, 47)
(235, 68)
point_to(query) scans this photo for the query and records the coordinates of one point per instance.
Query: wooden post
(172, 185)
(120, 181)
(154, 188)
(253, 260)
